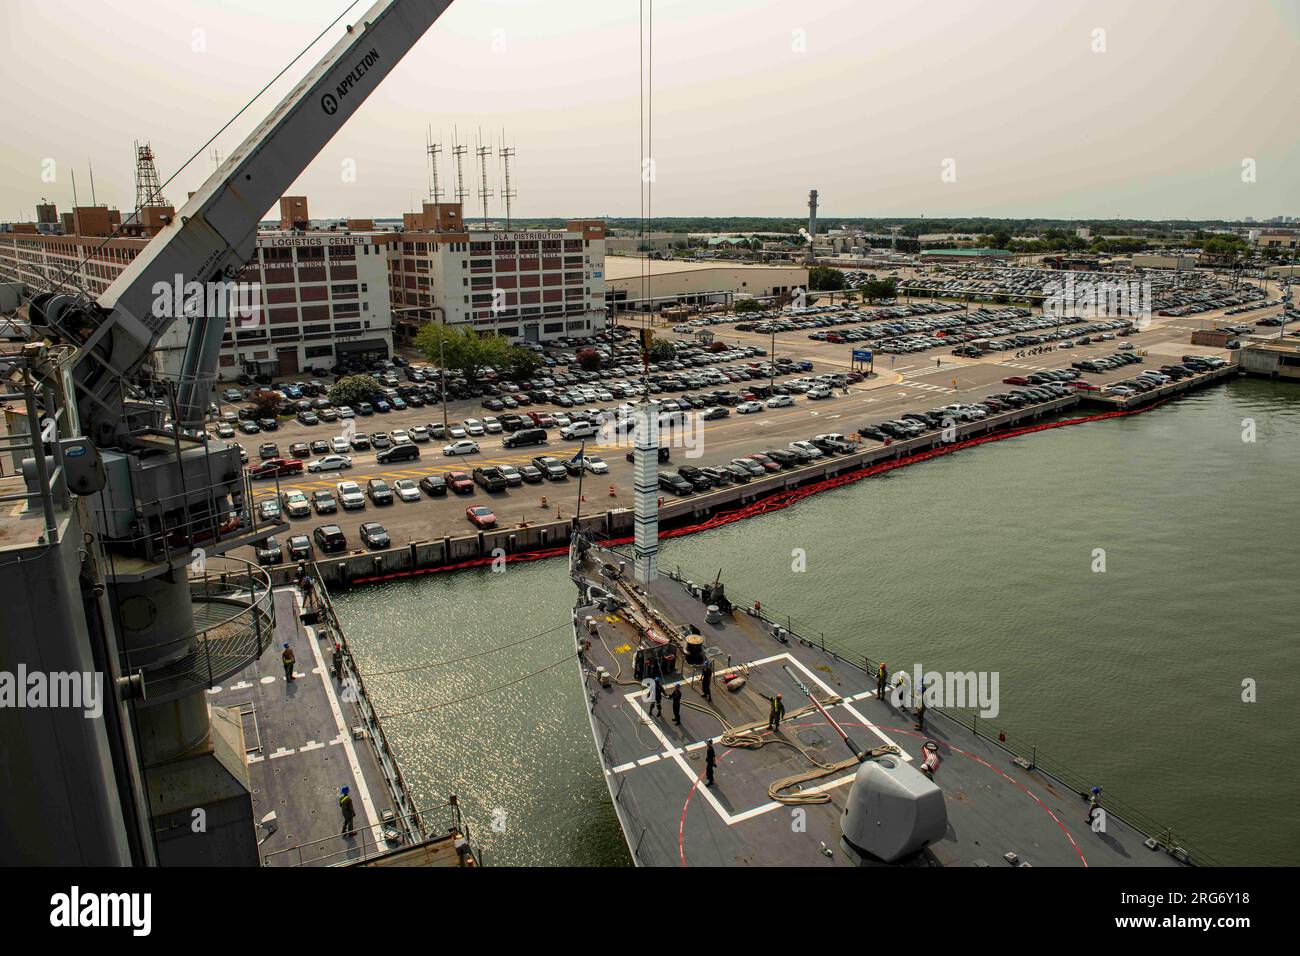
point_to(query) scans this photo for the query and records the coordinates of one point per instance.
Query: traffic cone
(612, 492)
(544, 504)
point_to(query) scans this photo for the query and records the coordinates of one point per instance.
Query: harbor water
(1129, 582)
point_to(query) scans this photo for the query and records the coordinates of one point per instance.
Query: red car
(766, 462)
(481, 517)
(276, 466)
(1015, 380)
(1083, 386)
(460, 483)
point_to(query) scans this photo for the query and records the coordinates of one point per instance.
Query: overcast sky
(1070, 108)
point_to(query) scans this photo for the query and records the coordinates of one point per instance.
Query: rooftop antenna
(434, 150)
(75, 204)
(507, 152)
(93, 200)
(458, 151)
(483, 192)
(216, 158)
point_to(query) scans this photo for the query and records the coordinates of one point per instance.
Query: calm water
(981, 560)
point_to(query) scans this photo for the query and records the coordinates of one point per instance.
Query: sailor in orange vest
(882, 680)
(287, 659)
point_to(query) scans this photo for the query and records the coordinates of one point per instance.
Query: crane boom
(213, 237)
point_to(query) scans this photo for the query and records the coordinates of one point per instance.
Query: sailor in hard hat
(349, 812)
(776, 713)
(288, 660)
(1094, 803)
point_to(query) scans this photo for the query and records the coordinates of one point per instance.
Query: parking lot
(910, 383)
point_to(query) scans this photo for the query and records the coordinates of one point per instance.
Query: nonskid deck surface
(655, 767)
(301, 750)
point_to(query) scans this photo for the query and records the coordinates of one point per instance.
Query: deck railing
(362, 845)
(356, 694)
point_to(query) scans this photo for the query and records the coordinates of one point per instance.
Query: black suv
(698, 479)
(675, 483)
(378, 491)
(330, 539)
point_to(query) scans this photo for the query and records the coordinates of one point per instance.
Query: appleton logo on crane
(330, 101)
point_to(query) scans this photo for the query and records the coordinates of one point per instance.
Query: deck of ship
(300, 751)
(655, 767)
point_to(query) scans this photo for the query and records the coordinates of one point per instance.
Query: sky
(940, 108)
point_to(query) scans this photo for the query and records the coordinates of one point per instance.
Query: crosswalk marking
(930, 388)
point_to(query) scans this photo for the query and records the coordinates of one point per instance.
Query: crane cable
(469, 657)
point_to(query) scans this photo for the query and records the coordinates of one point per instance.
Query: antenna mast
(483, 192)
(434, 150)
(458, 151)
(507, 153)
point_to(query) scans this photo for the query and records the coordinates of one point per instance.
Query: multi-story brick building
(324, 296)
(529, 286)
(331, 296)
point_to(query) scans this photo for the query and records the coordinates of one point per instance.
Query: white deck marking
(675, 753)
(363, 791)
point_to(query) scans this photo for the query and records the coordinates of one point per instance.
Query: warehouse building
(654, 283)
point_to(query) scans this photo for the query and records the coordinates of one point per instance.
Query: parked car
(328, 462)
(463, 447)
(378, 491)
(350, 495)
(269, 552)
(323, 501)
(490, 478)
(300, 548)
(406, 489)
(374, 535)
(551, 467)
(435, 486)
(276, 467)
(480, 516)
(460, 483)
(406, 451)
(295, 503)
(675, 483)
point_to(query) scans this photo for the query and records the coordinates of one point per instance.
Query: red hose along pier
(778, 501)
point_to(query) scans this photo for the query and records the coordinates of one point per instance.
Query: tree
(825, 279)
(266, 404)
(461, 350)
(880, 289)
(352, 389)
(748, 305)
(588, 360)
(662, 350)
